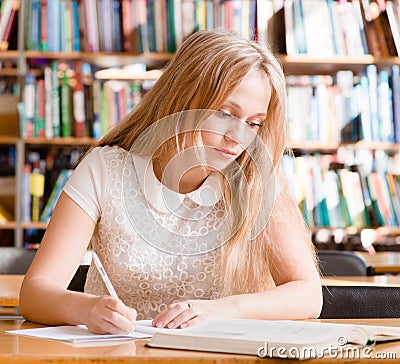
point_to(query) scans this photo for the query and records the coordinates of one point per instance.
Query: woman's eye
(223, 114)
(255, 124)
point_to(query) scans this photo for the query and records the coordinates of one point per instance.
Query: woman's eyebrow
(238, 107)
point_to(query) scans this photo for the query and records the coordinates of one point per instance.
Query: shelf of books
(297, 65)
(9, 55)
(8, 140)
(315, 146)
(102, 59)
(85, 64)
(82, 141)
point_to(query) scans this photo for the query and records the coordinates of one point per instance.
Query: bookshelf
(103, 59)
(28, 57)
(302, 64)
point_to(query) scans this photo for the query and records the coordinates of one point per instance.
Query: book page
(72, 334)
(145, 327)
(285, 332)
(381, 333)
(80, 333)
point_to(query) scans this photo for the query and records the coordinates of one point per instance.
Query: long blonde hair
(203, 73)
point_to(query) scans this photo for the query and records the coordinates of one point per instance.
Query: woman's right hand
(107, 315)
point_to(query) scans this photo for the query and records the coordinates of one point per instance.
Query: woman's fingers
(194, 321)
(121, 308)
(109, 315)
(188, 317)
(188, 313)
(174, 315)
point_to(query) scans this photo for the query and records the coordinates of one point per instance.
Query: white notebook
(80, 333)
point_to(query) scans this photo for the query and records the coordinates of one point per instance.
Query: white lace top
(157, 246)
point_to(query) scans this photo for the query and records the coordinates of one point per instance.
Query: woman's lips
(227, 153)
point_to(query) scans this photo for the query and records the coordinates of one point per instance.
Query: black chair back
(78, 281)
(15, 260)
(342, 263)
(352, 302)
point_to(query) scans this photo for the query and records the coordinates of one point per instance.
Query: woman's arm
(44, 296)
(297, 295)
(298, 292)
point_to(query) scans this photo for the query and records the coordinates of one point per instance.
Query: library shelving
(103, 59)
(303, 64)
(33, 55)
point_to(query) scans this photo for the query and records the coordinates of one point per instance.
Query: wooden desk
(17, 349)
(380, 280)
(383, 262)
(10, 285)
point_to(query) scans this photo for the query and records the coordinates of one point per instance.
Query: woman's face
(234, 126)
(225, 133)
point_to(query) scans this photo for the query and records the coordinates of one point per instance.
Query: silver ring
(190, 305)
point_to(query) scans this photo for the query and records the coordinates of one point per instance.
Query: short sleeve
(87, 183)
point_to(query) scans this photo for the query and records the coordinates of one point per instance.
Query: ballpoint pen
(104, 276)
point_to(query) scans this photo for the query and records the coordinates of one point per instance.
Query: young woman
(185, 204)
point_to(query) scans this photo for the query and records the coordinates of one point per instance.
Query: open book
(285, 339)
(80, 333)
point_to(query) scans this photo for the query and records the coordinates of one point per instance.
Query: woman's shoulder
(105, 153)
(107, 150)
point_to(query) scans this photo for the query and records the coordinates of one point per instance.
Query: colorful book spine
(394, 198)
(43, 26)
(55, 100)
(127, 25)
(53, 25)
(26, 210)
(143, 32)
(34, 44)
(136, 94)
(29, 94)
(90, 14)
(385, 108)
(82, 28)
(253, 19)
(103, 112)
(97, 102)
(375, 185)
(76, 43)
(78, 100)
(365, 112)
(40, 109)
(55, 194)
(105, 14)
(66, 23)
(10, 26)
(48, 104)
(28, 24)
(151, 28)
(37, 190)
(87, 82)
(373, 100)
(171, 39)
(6, 10)
(65, 106)
(395, 85)
(117, 26)
(178, 22)
(299, 29)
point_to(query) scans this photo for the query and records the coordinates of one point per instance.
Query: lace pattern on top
(149, 276)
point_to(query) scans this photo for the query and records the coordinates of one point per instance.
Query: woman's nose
(240, 132)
